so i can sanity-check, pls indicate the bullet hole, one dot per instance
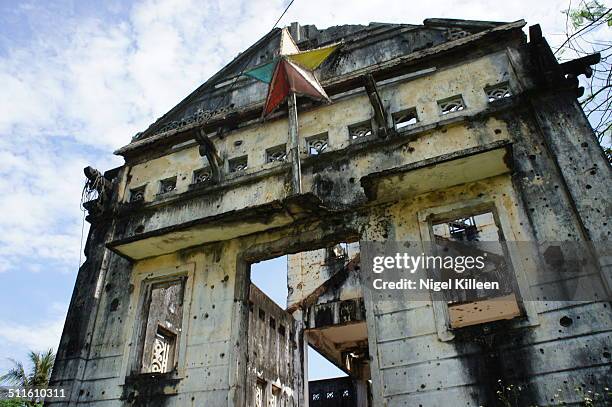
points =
(222, 355)
(192, 398)
(114, 305)
(541, 351)
(588, 186)
(532, 157)
(410, 149)
(225, 279)
(422, 386)
(212, 286)
(352, 180)
(237, 143)
(213, 306)
(584, 145)
(497, 131)
(606, 355)
(566, 321)
(108, 287)
(195, 317)
(139, 229)
(206, 316)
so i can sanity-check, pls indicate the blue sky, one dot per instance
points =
(79, 78)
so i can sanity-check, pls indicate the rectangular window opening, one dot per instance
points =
(162, 323)
(360, 130)
(238, 164)
(477, 234)
(451, 105)
(405, 118)
(137, 194)
(202, 175)
(499, 91)
(167, 185)
(276, 154)
(316, 145)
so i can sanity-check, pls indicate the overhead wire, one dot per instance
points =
(91, 187)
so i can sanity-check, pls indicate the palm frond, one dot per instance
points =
(16, 376)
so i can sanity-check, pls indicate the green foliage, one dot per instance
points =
(39, 376)
(589, 13)
(509, 396)
(12, 403)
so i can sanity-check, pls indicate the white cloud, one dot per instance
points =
(82, 86)
(36, 337)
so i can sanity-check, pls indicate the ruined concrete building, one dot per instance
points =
(390, 132)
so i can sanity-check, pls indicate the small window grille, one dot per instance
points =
(456, 33)
(405, 118)
(451, 105)
(317, 144)
(360, 130)
(499, 91)
(163, 351)
(330, 395)
(202, 175)
(238, 164)
(260, 393)
(316, 396)
(345, 394)
(167, 185)
(137, 194)
(276, 154)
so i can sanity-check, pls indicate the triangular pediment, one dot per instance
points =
(364, 46)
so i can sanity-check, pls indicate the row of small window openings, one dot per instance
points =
(330, 395)
(262, 317)
(316, 145)
(409, 117)
(456, 103)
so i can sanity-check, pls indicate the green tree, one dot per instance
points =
(38, 375)
(588, 30)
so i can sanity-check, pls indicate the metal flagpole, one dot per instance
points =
(294, 145)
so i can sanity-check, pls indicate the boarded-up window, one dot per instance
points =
(162, 321)
(476, 235)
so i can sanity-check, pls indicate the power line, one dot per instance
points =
(245, 66)
(282, 15)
